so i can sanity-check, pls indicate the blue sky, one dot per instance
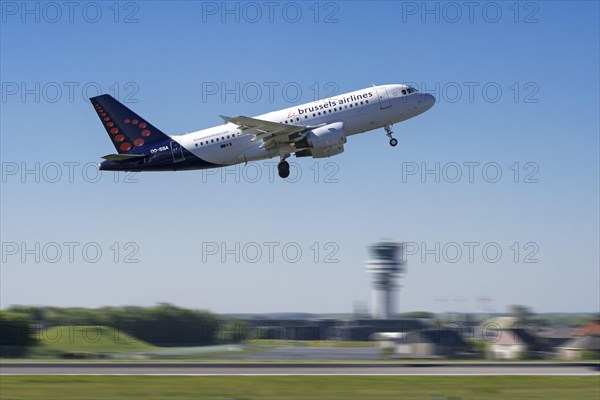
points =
(517, 91)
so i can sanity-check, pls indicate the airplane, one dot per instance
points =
(319, 129)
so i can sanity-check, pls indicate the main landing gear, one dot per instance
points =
(388, 132)
(283, 168)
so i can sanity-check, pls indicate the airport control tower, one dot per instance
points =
(386, 263)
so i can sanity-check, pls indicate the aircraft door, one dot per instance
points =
(176, 151)
(384, 99)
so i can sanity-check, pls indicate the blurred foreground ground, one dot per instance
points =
(431, 388)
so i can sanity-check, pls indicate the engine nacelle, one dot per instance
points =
(326, 141)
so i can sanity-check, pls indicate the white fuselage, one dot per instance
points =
(359, 111)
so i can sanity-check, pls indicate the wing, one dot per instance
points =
(271, 133)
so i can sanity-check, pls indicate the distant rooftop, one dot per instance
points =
(592, 328)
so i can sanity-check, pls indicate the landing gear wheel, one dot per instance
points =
(283, 168)
(389, 133)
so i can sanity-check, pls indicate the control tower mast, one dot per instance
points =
(386, 263)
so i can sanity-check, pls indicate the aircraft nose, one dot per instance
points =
(428, 100)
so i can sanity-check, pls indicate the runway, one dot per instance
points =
(299, 369)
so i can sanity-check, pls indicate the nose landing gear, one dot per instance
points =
(389, 133)
(283, 168)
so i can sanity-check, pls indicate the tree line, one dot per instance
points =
(161, 325)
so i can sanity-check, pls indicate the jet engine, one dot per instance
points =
(321, 142)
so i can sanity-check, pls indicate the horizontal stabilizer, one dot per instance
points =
(123, 157)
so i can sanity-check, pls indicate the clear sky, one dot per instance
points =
(518, 95)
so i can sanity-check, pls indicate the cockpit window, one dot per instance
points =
(404, 92)
(411, 90)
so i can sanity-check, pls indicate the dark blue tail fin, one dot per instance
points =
(130, 133)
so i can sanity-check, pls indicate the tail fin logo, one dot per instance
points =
(127, 130)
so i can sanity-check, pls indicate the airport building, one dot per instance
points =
(385, 265)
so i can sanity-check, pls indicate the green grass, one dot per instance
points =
(86, 340)
(385, 387)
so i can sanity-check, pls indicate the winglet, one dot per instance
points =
(225, 118)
